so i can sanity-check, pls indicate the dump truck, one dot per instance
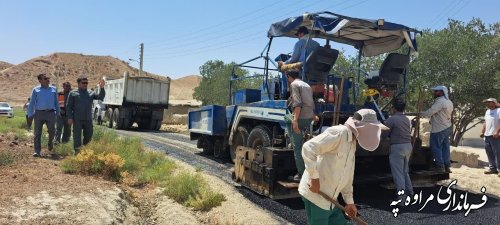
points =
(130, 100)
(251, 130)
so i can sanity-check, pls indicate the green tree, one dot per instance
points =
(464, 57)
(214, 85)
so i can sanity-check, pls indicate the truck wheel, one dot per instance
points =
(259, 137)
(219, 149)
(116, 119)
(208, 145)
(109, 114)
(239, 139)
(143, 124)
(158, 124)
(155, 124)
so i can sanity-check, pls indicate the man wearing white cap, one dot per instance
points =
(491, 134)
(329, 161)
(440, 119)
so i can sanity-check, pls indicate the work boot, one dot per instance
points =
(490, 171)
(447, 169)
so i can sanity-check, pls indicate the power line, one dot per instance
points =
(256, 24)
(226, 22)
(209, 48)
(216, 34)
(238, 40)
(447, 10)
(460, 9)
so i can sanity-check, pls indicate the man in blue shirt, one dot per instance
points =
(43, 108)
(300, 50)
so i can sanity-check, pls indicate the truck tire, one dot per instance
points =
(116, 119)
(220, 150)
(239, 139)
(155, 124)
(143, 124)
(259, 137)
(109, 114)
(208, 145)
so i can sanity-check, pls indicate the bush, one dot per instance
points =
(206, 200)
(127, 161)
(120, 160)
(65, 149)
(159, 169)
(193, 191)
(102, 135)
(69, 165)
(183, 186)
(6, 158)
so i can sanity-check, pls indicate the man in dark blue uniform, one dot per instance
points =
(79, 111)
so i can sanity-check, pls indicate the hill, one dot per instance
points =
(4, 65)
(183, 88)
(70, 66)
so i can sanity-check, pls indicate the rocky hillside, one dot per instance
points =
(22, 78)
(4, 65)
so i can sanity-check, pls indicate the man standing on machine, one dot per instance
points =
(302, 106)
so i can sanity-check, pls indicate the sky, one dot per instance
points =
(181, 35)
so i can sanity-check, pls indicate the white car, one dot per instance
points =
(6, 110)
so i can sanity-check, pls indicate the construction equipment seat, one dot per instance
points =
(391, 72)
(319, 63)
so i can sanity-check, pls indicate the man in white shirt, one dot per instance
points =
(329, 161)
(440, 119)
(491, 134)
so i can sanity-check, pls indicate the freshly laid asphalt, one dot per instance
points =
(373, 201)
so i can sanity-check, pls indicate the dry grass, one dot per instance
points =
(127, 161)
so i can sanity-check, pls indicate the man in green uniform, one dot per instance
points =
(302, 105)
(79, 111)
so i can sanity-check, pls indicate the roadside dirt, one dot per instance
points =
(236, 209)
(469, 171)
(35, 191)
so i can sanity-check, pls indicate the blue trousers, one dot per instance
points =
(492, 147)
(440, 147)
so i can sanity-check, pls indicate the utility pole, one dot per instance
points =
(141, 63)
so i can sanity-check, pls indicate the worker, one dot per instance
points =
(43, 109)
(440, 115)
(79, 111)
(302, 105)
(329, 161)
(491, 135)
(400, 148)
(62, 127)
(28, 120)
(300, 50)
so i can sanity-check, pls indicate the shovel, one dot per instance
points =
(330, 199)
